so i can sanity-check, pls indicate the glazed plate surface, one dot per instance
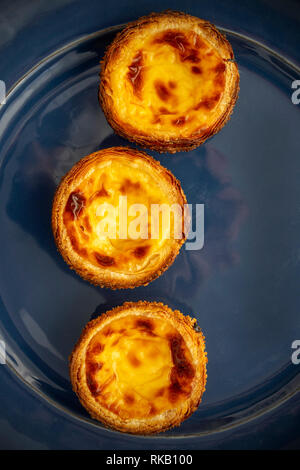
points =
(242, 286)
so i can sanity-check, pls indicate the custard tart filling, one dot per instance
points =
(140, 367)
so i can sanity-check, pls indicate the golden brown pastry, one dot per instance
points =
(168, 81)
(83, 221)
(140, 368)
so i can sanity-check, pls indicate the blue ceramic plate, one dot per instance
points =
(242, 286)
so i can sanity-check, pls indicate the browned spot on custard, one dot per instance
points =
(164, 110)
(104, 260)
(75, 204)
(172, 84)
(101, 193)
(219, 81)
(220, 68)
(156, 120)
(192, 57)
(87, 224)
(95, 388)
(179, 41)
(128, 186)
(179, 121)
(108, 331)
(141, 251)
(182, 366)
(75, 244)
(196, 70)
(162, 91)
(134, 361)
(97, 349)
(175, 39)
(183, 372)
(145, 326)
(152, 410)
(135, 73)
(209, 102)
(93, 385)
(144, 323)
(174, 389)
(160, 392)
(91, 369)
(114, 408)
(199, 43)
(129, 399)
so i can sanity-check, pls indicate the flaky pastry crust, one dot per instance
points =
(140, 368)
(168, 81)
(101, 178)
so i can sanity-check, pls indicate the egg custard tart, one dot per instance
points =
(168, 82)
(108, 218)
(140, 368)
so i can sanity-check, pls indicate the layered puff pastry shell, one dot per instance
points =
(168, 82)
(89, 203)
(140, 368)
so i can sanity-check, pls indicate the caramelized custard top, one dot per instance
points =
(93, 211)
(168, 81)
(138, 366)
